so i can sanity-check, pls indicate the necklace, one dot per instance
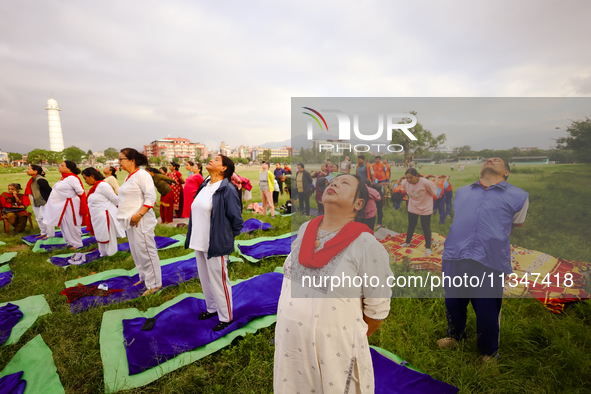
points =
(317, 242)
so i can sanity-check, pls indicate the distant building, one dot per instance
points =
(530, 160)
(442, 149)
(469, 159)
(97, 154)
(528, 149)
(3, 157)
(176, 147)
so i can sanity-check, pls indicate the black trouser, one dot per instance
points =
(276, 198)
(304, 202)
(379, 206)
(425, 225)
(280, 183)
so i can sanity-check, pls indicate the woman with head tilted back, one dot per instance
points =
(321, 334)
(216, 218)
(137, 197)
(177, 190)
(66, 206)
(191, 186)
(38, 190)
(102, 206)
(111, 178)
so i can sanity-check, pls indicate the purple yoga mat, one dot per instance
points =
(253, 224)
(178, 328)
(13, 383)
(276, 247)
(5, 278)
(392, 378)
(161, 242)
(33, 238)
(85, 242)
(10, 315)
(172, 275)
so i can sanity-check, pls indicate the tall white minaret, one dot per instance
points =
(56, 139)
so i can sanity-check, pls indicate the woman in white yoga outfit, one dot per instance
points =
(137, 196)
(321, 334)
(102, 205)
(38, 190)
(216, 218)
(66, 206)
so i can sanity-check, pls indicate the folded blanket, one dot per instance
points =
(10, 315)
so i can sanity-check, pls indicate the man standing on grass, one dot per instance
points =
(363, 169)
(478, 244)
(346, 165)
(304, 187)
(279, 173)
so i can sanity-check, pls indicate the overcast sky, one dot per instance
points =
(128, 72)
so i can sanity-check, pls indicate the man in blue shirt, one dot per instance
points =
(279, 172)
(478, 245)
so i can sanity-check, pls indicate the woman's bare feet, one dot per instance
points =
(138, 283)
(151, 291)
(43, 238)
(73, 248)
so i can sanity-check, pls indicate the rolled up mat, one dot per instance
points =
(256, 249)
(10, 315)
(5, 275)
(253, 224)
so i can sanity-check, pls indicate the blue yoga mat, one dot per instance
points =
(253, 224)
(178, 328)
(276, 247)
(172, 275)
(161, 242)
(10, 315)
(392, 378)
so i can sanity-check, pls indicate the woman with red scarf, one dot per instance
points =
(191, 187)
(322, 329)
(14, 207)
(177, 190)
(102, 205)
(66, 206)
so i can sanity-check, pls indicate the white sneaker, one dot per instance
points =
(428, 252)
(405, 245)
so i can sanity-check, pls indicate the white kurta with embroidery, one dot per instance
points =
(321, 341)
(102, 205)
(64, 200)
(137, 190)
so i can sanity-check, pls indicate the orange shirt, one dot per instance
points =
(379, 172)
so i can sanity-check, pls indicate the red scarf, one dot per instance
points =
(83, 205)
(28, 189)
(344, 237)
(89, 224)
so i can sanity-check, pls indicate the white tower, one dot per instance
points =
(56, 139)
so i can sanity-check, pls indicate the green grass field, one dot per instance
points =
(540, 352)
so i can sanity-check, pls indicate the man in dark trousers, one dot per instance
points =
(478, 245)
(304, 187)
(279, 173)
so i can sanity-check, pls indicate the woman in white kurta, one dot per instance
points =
(321, 334)
(102, 205)
(137, 196)
(66, 206)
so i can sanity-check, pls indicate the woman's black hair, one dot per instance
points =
(93, 172)
(72, 167)
(151, 170)
(229, 164)
(17, 186)
(175, 165)
(190, 163)
(164, 169)
(132, 154)
(37, 168)
(361, 193)
(200, 167)
(113, 171)
(413, 172)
